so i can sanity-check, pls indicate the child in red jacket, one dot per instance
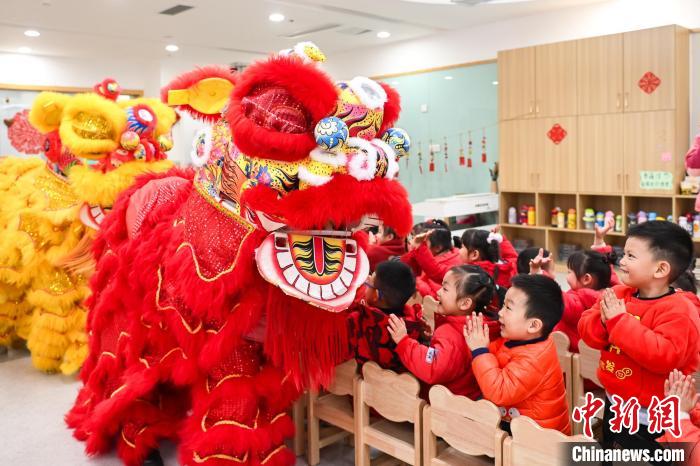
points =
(386, 292)
(386, 245)
(465, 289)
(644, 328)
(520, 371)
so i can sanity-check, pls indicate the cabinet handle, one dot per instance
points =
(626, 97)
(538, 180)
(619, 179)
(617, 102)
(531, 105)
(537, 106)
(627, 182)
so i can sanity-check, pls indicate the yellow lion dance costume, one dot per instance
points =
(50, 210)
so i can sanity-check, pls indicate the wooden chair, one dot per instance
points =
(566, 361)
(430, 306)
(334, 407)
(394, 397)
(469, 428)
(532, 445)
(585, 365)
(298, 411)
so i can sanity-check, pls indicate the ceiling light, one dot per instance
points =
(276, 17)
(172, 48)
(449, 78)
(383, 34)
(495, 83)
(24, 50)
(32, 33)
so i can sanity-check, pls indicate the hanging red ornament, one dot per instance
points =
(446, 155)
(462, 159)
(431, 165)
(470, 146)
(483, 146)
(420, 158)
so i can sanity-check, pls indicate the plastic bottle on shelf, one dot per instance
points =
(631, 219)
(600, 219)
(641, 216)
(696, 226)
(669, 218)
(512, 215)
(561, 219)
(555, 214)
(618, 223)
(531, 216)
(523, 215)
(683, 222)
(651, 216)
(588, 219)
(571, 219)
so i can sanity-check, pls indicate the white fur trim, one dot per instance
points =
(393, 168)
(336, 159)
(363, 163)
(198, 161)
(369, 92)
(497, 237)
(312, 178)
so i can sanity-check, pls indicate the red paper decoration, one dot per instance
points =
(483, 146)
(649, 82)
(556, 134)
(431, 165)
(471, 150)
(420, 158)
(446, 155)
(23, 136)
(469, 163)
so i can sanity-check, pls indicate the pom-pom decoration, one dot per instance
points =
(331, 133)
(129, 140)
(141, 119)
(398, 140)
(23, 136)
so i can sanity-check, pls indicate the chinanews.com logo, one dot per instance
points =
(661, 417)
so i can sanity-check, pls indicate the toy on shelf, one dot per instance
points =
(531, 216)
(512, 215)
(571, 219)
(555, 215)
(589, 219)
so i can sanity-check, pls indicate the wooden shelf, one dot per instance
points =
(522, 227)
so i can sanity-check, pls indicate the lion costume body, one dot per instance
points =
(219, 293)
(49, 211)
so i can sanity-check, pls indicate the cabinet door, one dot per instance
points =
(557, 162)
(599, 70)
(649, 74)
(649, 148)
(600, 154)
(555, 79)
(516, 83)
(517, 156)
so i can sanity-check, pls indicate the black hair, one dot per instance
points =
(525, 256)
(457, 242)
(686, 282)
(667, 241)
(544, 299)
(441, 238)
(389, 231)
(477, 240)
(475, 283)
(594, 263)
(432, 224)
(396, 282)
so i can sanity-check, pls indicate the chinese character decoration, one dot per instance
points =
(556, 133)
(462, 159)
(483, 146)
(649, 82)
(470, 151)
(446, 155)
(420, 158)
(625, 414)
(431, 152)
(665, 415)
(587, 412)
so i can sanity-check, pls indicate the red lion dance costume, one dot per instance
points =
(218, 294)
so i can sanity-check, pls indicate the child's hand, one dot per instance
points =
(417, 240)
(426, 329)
(600, 232)
(610, 306)
(496, 229)
(476, 332)
(682, 386)
(539, 262)
(397, 328)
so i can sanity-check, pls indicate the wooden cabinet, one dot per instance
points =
(519, 155)
(516, 83)
(649, 69)
(599, 71)
(555, 79)
(600, 153)
(556, 163)
(649, 142)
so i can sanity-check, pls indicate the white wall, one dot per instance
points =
(483, 42)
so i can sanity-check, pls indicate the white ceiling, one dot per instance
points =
(226, 29)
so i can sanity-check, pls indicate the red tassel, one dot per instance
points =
(432, 166)
(469, 163)
(462, 161)
(483, 157)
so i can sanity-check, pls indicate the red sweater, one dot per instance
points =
(575, 303)
(369, 334)
(447, 361)
(377, 253)
(429, 269)
(640, 347)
